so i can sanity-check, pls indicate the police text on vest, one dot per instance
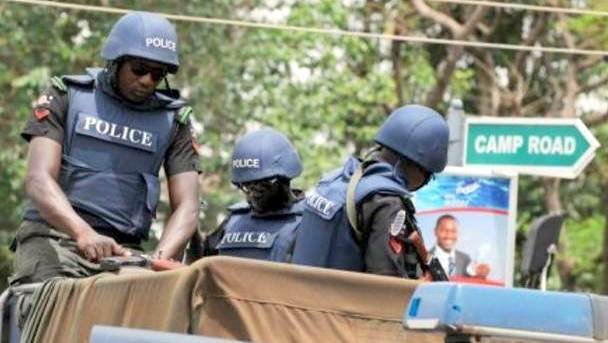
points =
(319, 203)
(245, 237)
(96, 127)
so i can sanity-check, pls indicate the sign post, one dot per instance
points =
(539, 146)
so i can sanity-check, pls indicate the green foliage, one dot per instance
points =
(462, 82)
(591, 28)
(584, 236)
(6, 266)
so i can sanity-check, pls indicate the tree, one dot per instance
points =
(526, 83)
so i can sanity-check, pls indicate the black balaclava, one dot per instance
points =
(265, 197)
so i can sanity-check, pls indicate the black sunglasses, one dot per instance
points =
(140, 69)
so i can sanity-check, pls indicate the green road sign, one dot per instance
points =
(539, 146)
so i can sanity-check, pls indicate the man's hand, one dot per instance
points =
(482, 270)
(183, 196)
(94, 246)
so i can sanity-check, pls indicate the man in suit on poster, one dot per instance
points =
(453, 261)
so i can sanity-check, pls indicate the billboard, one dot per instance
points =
(468, 220)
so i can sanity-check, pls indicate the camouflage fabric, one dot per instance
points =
(43, 253)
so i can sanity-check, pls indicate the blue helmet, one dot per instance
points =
(263, 154)
(417, 133)
(143, 34)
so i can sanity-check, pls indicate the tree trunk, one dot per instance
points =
(489, 99)
(396, 59)
(565, 265)
(446, 70)
(605, 249)
(553, 202)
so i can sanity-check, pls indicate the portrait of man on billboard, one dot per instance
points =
(455, 262)
(467, 219)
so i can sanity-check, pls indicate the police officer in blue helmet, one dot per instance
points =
(97, 142)
(264, 226)
(360, 216)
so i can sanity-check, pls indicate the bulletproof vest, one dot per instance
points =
(112, 154)
(325, 238)
(264, 237)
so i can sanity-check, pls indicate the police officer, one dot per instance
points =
(354, 219)
(96, 144)
(263, 227)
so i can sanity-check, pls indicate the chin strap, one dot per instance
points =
(112, 73)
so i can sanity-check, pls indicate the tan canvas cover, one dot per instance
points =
(232, 298)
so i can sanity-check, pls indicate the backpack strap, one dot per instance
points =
(351, 206)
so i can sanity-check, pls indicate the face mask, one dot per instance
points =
(399, 172)
(428, 178)
(265, 195)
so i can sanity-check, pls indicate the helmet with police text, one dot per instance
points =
(418, 133)
(143, 34)
(264, 154)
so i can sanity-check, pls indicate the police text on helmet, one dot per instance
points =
(162, 43)
(246, 163)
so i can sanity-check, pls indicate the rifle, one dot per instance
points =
(430, 265)
(115, 263)
(410, 235)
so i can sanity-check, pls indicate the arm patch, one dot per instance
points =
(184, 115)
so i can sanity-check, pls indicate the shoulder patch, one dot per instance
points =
(58, 83)
(183, 115)
(397, 224)
(41, 113)
(44, 100)
(322, 206)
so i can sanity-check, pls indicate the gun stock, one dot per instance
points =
(430, 265)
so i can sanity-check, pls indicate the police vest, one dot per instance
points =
(325, 238)
(269, 237)
(112, 155)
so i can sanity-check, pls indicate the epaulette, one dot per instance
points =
(171, 99)
(84, 80)
(242, 206)
(58, 83)
(183, 115)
